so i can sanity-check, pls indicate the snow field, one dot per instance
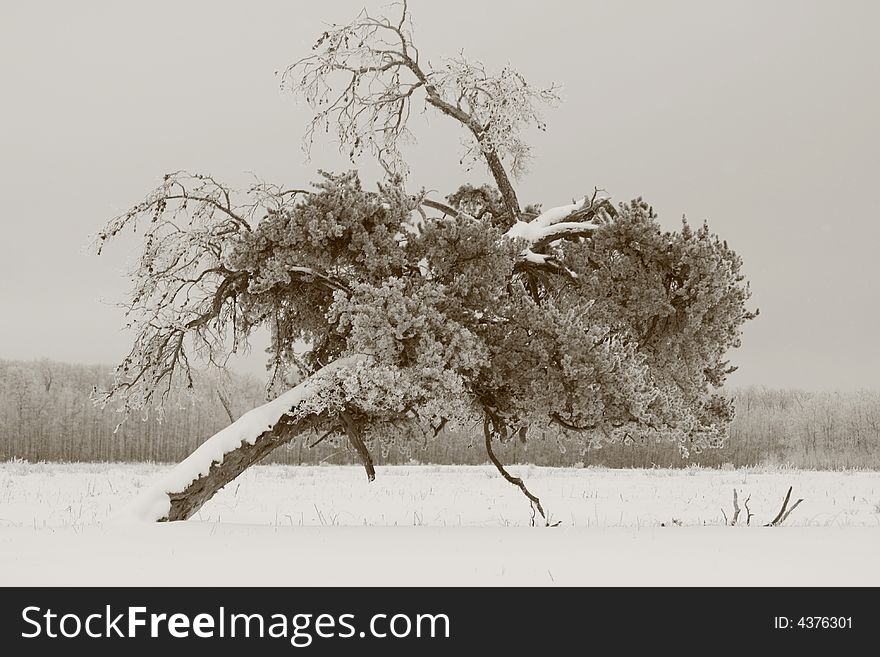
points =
(441, 525)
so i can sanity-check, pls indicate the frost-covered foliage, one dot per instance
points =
(682, 298)
(588, 317)
(504, 102)
(363, 78)
(450, 321)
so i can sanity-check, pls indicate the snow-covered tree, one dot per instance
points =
(420, 313)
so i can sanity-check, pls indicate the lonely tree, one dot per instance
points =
(420, 313)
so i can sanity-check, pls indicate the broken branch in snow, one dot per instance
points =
(516, 481)
(783, 514)
(778, 520)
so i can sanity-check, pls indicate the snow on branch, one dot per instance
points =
(577, 219)
(304, 399)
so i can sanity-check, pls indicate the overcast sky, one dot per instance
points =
(760, 117)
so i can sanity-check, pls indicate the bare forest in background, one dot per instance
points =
(46, 415)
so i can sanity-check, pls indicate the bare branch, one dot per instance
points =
(442, 207)
(516, 481)
(225, 403)
(557, 419)
(363, 76)
(788, 513)
(185, 295)
(783, 514)
(782, 510)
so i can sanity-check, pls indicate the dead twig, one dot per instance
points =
(735, 509)
(225, 403)
(788, 513)
(783, 514)
(749, 513)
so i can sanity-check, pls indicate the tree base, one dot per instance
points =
(185, 503)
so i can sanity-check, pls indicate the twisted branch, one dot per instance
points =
(516, 481)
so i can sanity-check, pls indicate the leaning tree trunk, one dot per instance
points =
(228, 453)
(185, 502)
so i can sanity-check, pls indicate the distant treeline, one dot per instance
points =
(46, 415)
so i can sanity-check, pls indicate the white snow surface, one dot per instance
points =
(154, 502)
(441, 525)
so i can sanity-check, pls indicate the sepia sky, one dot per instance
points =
(759, 117)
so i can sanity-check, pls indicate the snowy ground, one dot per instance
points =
(433, 525)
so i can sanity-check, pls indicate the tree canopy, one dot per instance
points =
(589, 318)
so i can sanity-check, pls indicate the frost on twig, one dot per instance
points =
(363, 78)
